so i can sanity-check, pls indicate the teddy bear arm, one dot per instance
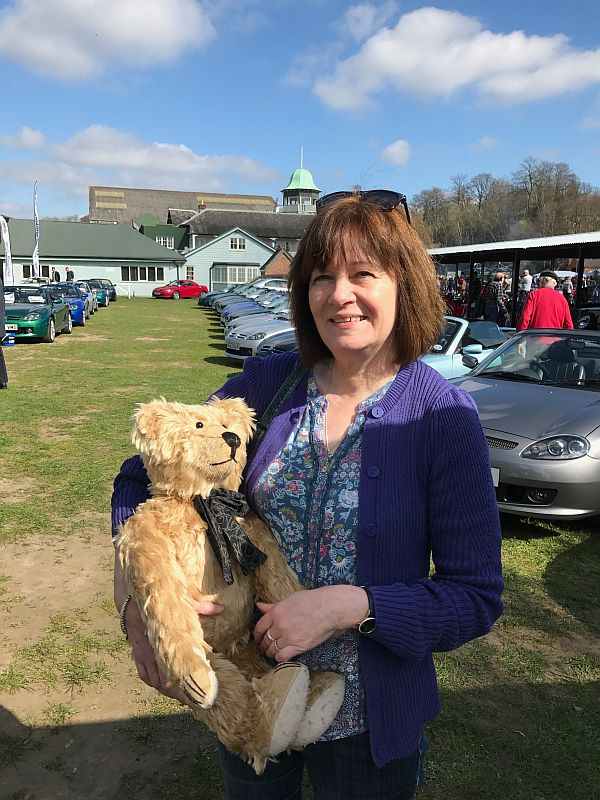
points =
(274, 580)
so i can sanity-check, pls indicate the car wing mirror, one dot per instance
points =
(469, 361)
(472, 349)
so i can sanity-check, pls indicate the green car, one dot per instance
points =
(102, 291)
(32, 313)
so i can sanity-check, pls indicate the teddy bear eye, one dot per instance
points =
(199, 424)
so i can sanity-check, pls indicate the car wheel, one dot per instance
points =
(50, 332)
(176, 295)
(83, 319)
(587, 321)
(69, 327)
(88, 313)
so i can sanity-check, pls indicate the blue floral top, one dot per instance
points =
(309, 498)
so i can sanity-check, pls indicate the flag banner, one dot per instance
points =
(35, 260)
(9, 277)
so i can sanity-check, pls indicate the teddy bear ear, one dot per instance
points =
(240, 413)
(148, 428)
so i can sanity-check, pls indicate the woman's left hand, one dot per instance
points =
(308, 618)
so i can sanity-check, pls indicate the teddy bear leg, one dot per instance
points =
(259, 718)
(325, 697)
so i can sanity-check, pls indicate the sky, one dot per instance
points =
(221, 95)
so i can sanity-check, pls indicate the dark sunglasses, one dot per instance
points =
(384, 199)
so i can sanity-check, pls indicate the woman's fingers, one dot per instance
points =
(207, 609)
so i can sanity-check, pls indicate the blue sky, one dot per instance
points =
(219, 95)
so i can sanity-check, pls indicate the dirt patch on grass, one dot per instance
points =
(150, 339)
(111, 737)
(14, 491)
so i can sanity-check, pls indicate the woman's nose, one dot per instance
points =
(341, 292)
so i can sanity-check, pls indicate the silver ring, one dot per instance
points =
(276, 645)
(269, 637)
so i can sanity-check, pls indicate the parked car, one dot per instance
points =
(460, 337)
(238, 322)
(279, 343)
(243, 342)
(89, 292)
(109, 285)
(176, 289)
(33, 313)
(102, 293)
(273, 302)
(538, 397)
(79, 304)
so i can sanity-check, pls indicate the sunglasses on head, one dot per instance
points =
(384, 199)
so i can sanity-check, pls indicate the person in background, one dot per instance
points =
(70, 275)
(545, 308)
(55, 275)
(494, 299)
(373, 468)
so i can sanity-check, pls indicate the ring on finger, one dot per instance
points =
(269, 637)
(277, 648)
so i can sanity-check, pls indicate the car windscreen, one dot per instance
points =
(552, 357)
(24, 294)
(94, 283)
(445, 337)
(65, 291)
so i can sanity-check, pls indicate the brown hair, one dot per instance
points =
(385, 237)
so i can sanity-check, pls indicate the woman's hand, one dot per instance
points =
(308, 618)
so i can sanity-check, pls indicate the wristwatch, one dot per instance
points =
(369, 623)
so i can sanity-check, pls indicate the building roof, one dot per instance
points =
(278, 264)
(177, 216)
(550, 246)
(301, 179)
(264, 225)
(232, 232)
(83, 240)
(123, 204)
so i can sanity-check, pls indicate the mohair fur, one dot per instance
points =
(256, 711)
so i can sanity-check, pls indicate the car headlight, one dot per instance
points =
(257, 336)
(557, 448)
(33, 315)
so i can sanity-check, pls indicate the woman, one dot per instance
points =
(372, 464)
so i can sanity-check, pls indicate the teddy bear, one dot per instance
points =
(195, 539)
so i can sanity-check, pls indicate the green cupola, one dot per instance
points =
(301, 193)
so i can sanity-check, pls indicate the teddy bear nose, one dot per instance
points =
(232, 439)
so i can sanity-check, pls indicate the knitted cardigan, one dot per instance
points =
(425, 493)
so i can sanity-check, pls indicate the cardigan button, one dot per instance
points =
(373, 472)
(294, 417)
(370, 530)
(377, 412)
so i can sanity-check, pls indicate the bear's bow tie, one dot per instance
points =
(219, 510)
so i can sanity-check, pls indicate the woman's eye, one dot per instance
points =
(199, 424)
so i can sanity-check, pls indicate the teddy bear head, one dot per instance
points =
(189, 450)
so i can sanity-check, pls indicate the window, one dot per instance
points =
(28, 271)
(166, 241)
(223, 275)
(129, 274)
(189, 273)
(237, 243)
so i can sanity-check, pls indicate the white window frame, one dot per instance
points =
(237, 243)
(165, 241)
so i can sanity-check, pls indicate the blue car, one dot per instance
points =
(460, 338)
(78, 304)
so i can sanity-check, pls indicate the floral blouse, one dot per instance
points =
(309, 498)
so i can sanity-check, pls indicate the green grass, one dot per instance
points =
(521, 707)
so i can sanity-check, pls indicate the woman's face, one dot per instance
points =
(353, 303)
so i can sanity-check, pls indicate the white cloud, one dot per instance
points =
(485, 143)
(362, 20)
(25, 139)
(74, 40)
(590, 123)
(102, 155)
(431, 52)
(397, 153)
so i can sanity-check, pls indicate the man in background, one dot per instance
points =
(545, 307)
(494, 300)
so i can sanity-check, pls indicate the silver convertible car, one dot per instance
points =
(538, 397)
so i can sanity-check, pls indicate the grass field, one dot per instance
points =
(521, 706)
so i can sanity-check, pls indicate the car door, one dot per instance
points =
(188, 289)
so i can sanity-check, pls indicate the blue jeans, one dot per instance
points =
(339, 770)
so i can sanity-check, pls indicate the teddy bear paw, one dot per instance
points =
(200, 688)
(324, 701)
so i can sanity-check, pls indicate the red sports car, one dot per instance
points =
(177, 289)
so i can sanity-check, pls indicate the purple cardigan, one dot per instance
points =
(425, 490)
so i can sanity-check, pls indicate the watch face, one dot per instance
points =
(367, 625)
